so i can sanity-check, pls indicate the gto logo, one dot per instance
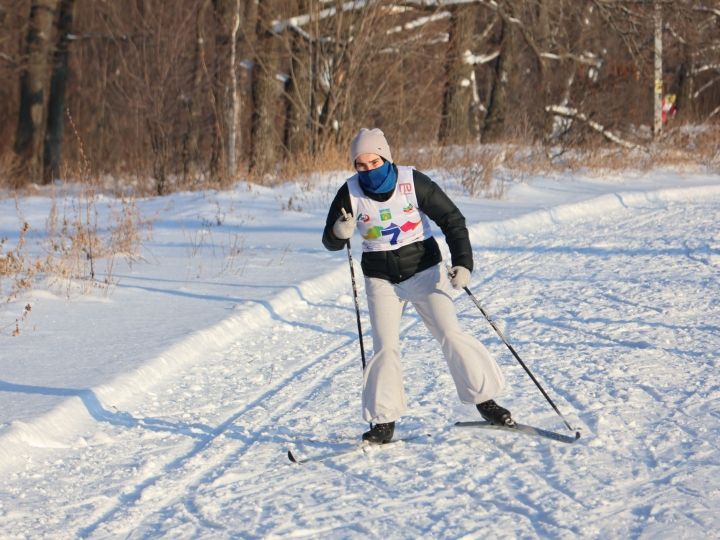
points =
(405, 188)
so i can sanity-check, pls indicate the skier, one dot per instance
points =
(669, 107)
(392, 207)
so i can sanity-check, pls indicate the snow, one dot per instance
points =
(164, 404)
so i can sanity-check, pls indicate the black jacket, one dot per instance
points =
(404, 262)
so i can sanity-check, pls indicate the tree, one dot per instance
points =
(202, 89)
(56, 101)
(658, 68)
(30, 131)
(299, 120)
(227, 97)
(191, 147)
(457, 124)
(265, 93)
(494, 126)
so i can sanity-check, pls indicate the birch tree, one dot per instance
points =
(228, 13)
(658, 68)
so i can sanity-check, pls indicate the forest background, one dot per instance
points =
(163, 95)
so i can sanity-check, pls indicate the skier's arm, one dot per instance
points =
(434, 203)
(341, 201)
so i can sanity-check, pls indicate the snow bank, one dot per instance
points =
(490, 232)
(60, 427)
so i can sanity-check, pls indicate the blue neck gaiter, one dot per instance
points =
(380, 180)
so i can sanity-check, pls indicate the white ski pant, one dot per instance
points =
(476, 375)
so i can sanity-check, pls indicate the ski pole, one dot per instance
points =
(355, 294)
(517, 357)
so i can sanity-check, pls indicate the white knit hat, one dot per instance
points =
(370, 141)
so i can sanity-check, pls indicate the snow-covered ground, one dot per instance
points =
(164, 405)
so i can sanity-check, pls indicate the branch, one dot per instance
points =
(509, 18)
(713, 113)
(475, 59)
(569, 112)
(703, 9)
(674, 33)
(9, 59)
(710, 49)
(586, 58)
(279, 25)
(706, 67)
(704, 87)
(420, 22)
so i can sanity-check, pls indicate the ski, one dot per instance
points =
(353, 447)
(522, 428)
(364, 445)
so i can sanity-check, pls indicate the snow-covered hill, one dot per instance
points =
(164, 407)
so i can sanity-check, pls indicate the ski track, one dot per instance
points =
(627, 352)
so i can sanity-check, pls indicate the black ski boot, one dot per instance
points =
(379, 433)
(495, 414)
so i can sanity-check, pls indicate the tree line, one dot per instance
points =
(197, 91)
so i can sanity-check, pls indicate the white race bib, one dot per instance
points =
(390, 224)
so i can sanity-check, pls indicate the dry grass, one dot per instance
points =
(77, 244)
(74, 248)
(681, 147)
(331, 158)
(19, 270)
(18, 321)
(483, 170)
(16, 266)
(690, 147)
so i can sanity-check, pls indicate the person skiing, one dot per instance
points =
(392, 207)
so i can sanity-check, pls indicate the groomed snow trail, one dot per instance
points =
(617, 315)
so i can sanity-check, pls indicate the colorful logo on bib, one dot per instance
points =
(385, 214)
(409, 208)
(393, 230)
(409, 226)
(373, 233)
(363, 218)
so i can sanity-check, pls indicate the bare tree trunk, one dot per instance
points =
(658, 86)
(227, 107)
(316, 90)
(457, 124)
(33, 90)
(191, 147)
(232, 104)
(494, 126)
(297, 137)
(539, 118)
(56, 100)
(263, 154)
(685, 102)
(333, 65)
(227, 99)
